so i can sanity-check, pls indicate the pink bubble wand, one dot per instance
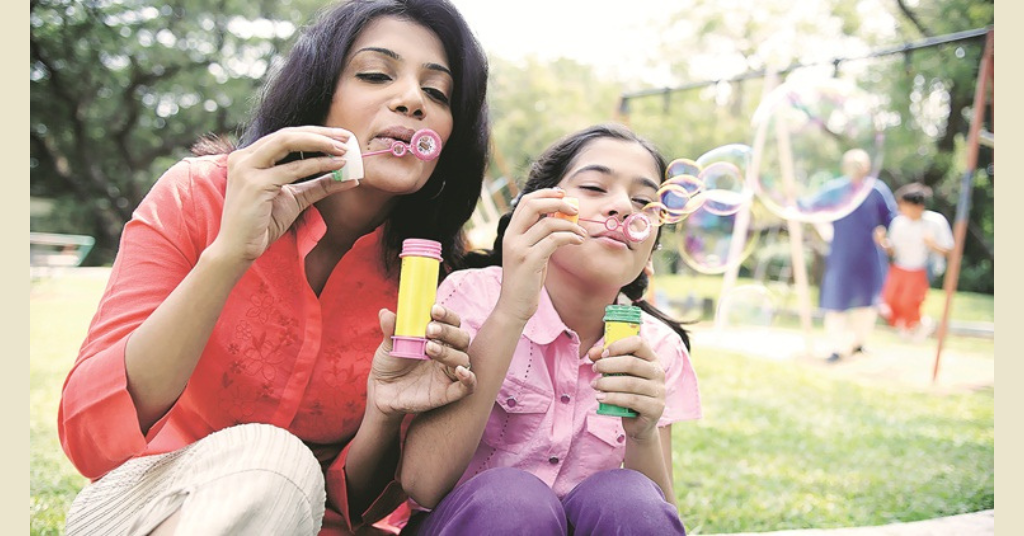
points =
(425, 144)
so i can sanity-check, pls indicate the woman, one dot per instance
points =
(238, 362)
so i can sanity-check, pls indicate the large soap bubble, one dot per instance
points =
(801, 133)
(705, 240)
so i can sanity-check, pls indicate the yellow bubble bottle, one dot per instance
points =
(417, 291)
(620, 321)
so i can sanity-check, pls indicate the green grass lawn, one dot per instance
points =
(786, 447)
(780, 446)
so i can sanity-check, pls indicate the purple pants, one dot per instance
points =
(512, 501)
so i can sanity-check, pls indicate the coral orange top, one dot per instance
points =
(279, 354)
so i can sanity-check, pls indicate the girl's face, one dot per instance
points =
(395, 81)
(611, 178)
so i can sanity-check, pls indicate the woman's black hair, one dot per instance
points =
(547, 172)
(300, 91)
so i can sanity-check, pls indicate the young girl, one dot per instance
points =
(527, 453)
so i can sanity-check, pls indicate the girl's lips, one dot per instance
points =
(612, 241)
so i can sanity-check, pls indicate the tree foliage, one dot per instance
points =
(120, 89)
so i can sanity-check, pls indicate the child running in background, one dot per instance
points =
(527, 453)
(918, 241)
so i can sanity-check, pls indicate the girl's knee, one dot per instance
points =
(619, 486)
(498, 501)
(503, 485)
(621, 501)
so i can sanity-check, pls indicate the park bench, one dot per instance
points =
(49, 252)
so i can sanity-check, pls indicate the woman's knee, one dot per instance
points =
(256, 448)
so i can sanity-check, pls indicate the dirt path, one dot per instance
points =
(967, 363)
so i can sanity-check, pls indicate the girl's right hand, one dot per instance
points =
(262, 200)
(530, 239)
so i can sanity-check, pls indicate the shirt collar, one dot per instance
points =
(545, 325)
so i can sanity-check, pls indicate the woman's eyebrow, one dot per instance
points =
(394, 55)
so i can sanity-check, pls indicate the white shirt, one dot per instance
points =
(907, 237)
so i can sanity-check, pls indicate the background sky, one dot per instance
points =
(609, 34)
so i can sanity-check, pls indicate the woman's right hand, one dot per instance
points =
(530, 239)
(263, 200)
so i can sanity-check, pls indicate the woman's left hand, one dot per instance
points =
(641, 386)
(399, 386)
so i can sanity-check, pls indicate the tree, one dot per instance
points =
(121, 89)
(927, 95)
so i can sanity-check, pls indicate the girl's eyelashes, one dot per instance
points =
(641, 202)
(638, 201)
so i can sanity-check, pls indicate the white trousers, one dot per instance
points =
(849, 329)
(247, 479)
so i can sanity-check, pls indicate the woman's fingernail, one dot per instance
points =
(433, 347)
(433, 330)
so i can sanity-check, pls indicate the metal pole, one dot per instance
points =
(963, 207)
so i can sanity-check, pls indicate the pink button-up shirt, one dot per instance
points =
(545, 417)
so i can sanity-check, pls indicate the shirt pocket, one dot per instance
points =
(517, 417)
(604, 441)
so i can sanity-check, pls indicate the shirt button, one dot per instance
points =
(553, 460)
(511, 402)
(621, 438)
(566, 399)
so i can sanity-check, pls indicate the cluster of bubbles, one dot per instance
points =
(791, 172)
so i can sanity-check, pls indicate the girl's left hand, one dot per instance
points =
(640, 388)
(398, 386)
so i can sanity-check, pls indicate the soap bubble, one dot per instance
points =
(723, 176)
(705, 239)
(802, 131)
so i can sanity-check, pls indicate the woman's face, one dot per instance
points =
(611, 178)
(395, 81)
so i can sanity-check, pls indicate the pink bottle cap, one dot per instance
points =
(409, 347)
(419, 247)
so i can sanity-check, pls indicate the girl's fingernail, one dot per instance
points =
(605, 353)
(600, 395)
(433, 330)
(433, 347)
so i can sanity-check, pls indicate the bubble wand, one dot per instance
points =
(425, 144)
